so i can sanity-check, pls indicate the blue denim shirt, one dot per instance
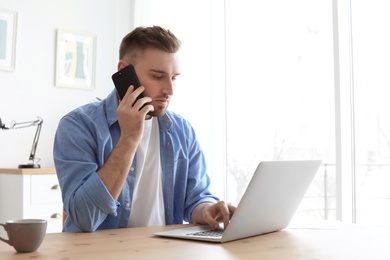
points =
(84, 140)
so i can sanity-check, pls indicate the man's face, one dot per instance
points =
(157, 71)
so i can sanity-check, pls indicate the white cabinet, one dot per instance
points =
(31, 193)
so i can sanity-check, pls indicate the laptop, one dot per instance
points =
(271, 198)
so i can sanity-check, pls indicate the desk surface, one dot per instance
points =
(27, 171)
(343, 242)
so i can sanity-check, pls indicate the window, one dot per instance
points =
(371, 66)
(285, 80)
(280, 94)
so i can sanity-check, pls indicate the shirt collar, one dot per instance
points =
(111, 105)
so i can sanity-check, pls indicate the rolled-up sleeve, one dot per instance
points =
(82, 144)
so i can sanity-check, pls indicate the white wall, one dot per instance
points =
(29, 91)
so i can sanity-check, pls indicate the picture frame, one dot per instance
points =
(75, 59)
(8, 25)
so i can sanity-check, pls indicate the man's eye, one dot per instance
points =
(158, 76)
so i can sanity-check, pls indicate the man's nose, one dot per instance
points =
(168, 87)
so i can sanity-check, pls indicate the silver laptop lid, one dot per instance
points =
(271, 198)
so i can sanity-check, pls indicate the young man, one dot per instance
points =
(122, 164)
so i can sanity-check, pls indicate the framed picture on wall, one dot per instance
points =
(75, 59)
(8, 23)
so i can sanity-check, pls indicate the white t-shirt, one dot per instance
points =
(148, 203)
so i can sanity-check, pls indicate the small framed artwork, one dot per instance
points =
(8, 23)
(75, 59)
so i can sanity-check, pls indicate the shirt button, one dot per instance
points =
(132, 169)
(127, 204)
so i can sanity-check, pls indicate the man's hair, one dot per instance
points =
(142, 38)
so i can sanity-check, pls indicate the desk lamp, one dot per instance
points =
(38, 123)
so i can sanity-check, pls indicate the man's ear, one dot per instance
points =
(122, 64)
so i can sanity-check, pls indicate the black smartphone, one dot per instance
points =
(123, 79)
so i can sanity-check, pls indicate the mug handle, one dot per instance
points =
(2, 239)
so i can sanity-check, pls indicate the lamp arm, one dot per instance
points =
(15, 125)
(35, 142)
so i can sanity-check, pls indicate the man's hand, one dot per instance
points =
(131, 121)
(213, 214)
(130, 118)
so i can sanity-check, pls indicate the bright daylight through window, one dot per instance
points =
(280, 94)
(286, 80)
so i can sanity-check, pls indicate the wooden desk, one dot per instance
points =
(345, 242)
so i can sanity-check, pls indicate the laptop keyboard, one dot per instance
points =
(207, 233)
